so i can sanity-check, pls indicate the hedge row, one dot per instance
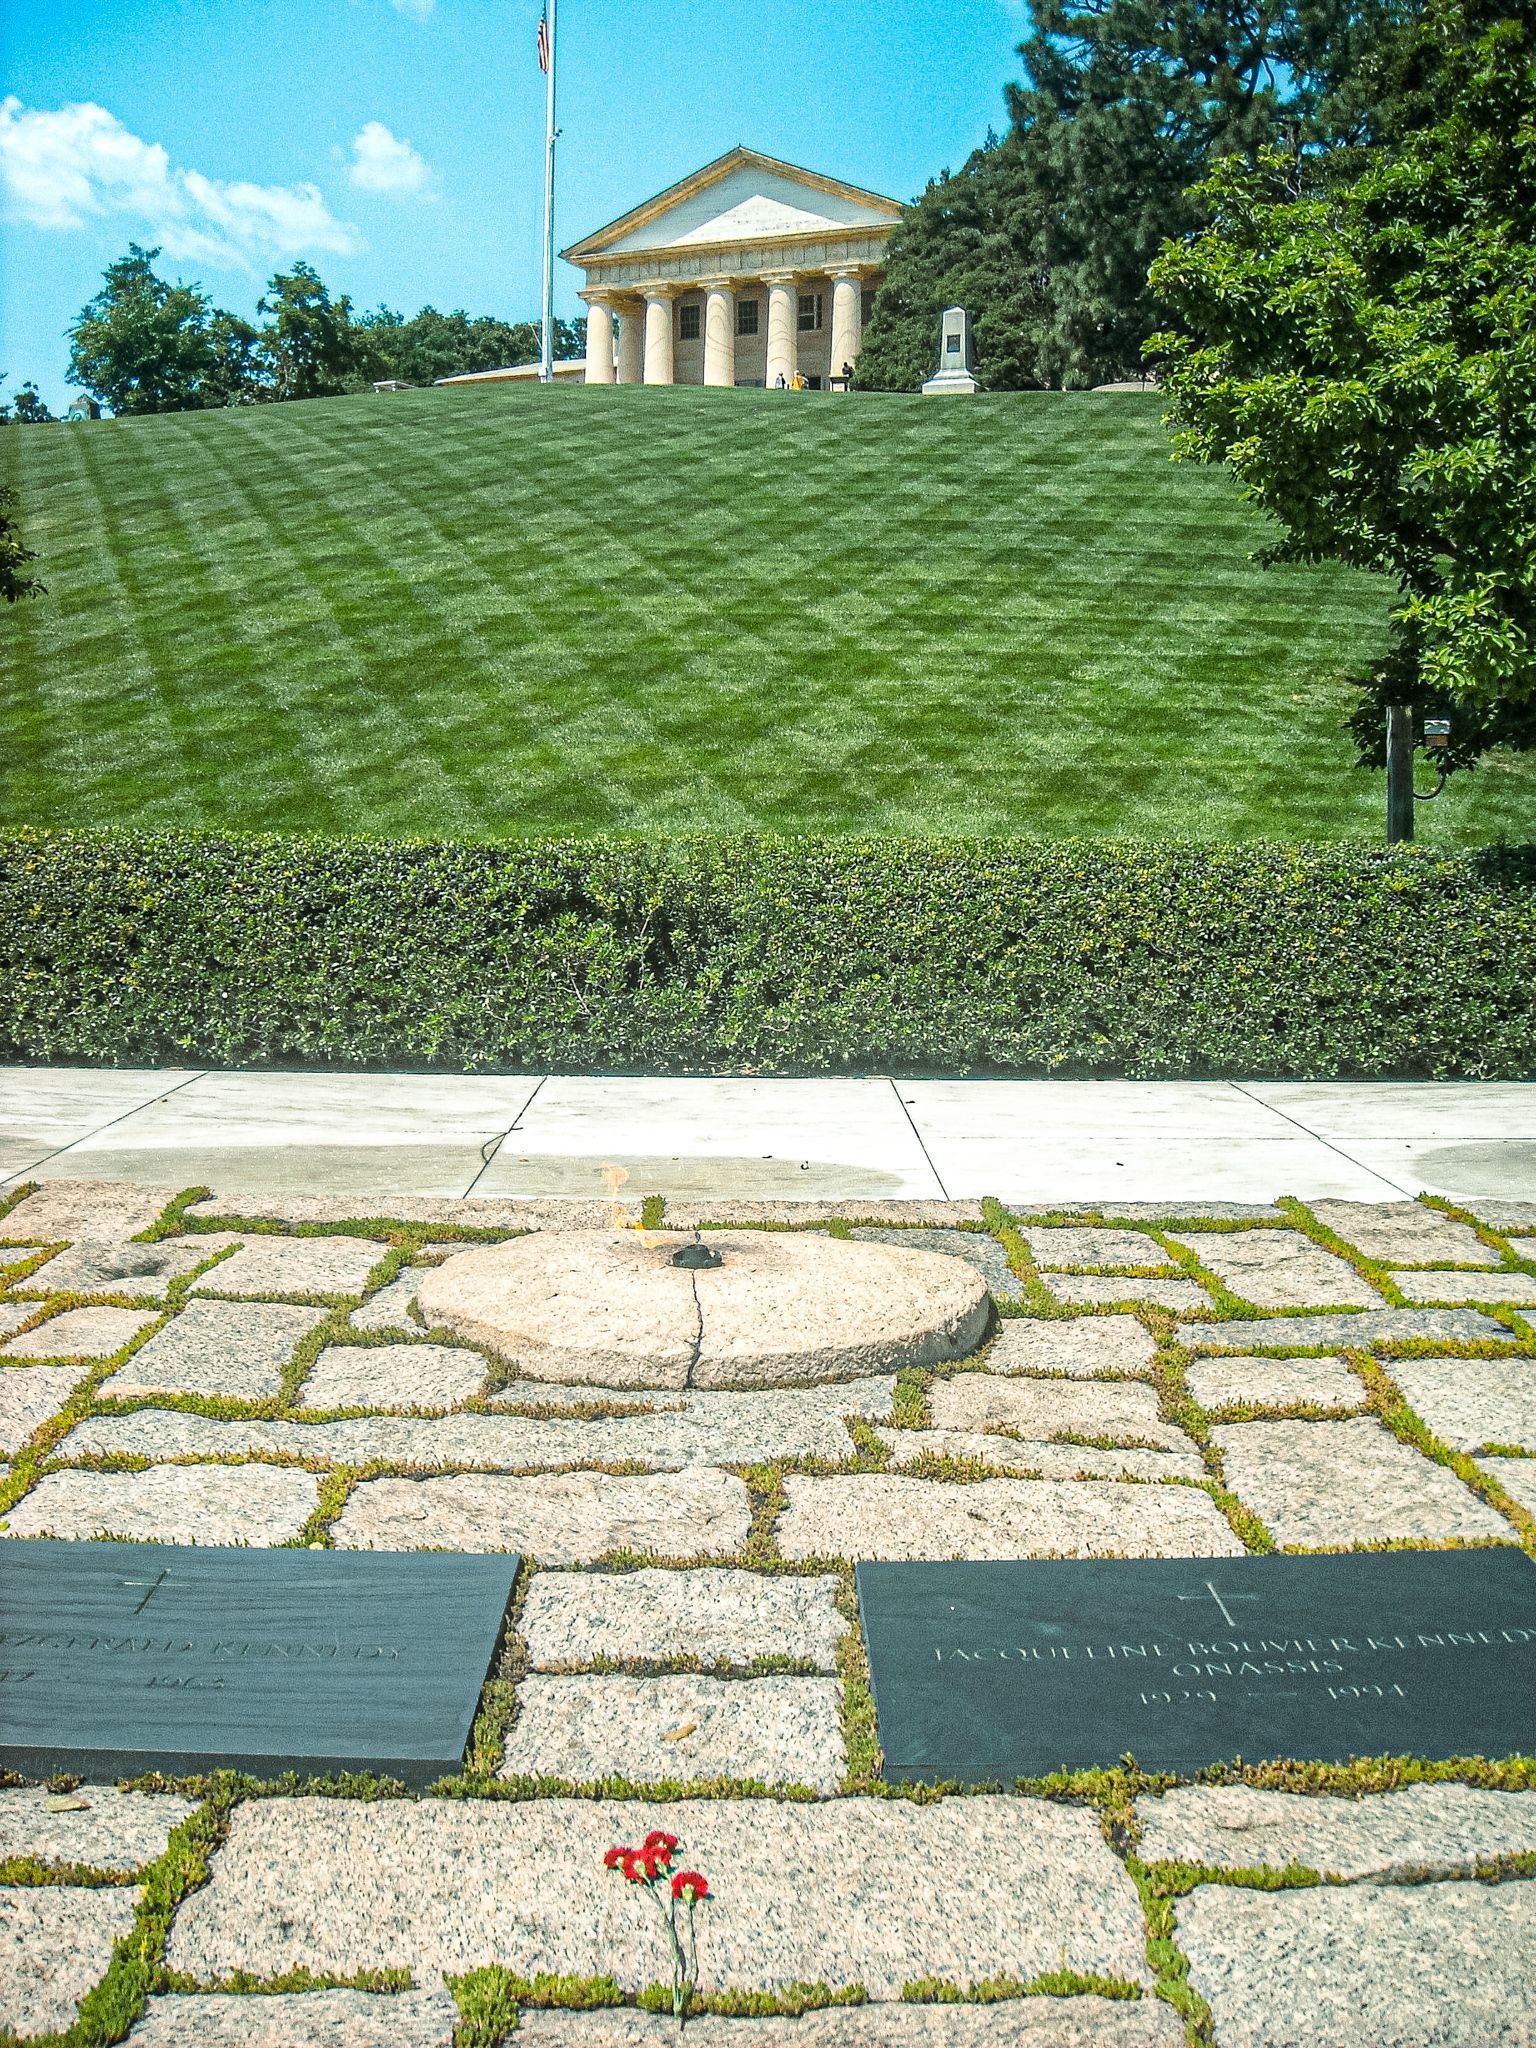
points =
(765, 955)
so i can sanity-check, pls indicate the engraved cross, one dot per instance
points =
(154, 1586)
(1221, 1600)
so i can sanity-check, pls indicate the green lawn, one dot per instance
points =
(491, 612)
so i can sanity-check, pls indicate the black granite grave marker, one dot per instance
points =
(117, 1658)
(986, 1672)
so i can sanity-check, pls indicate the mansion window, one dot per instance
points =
(688, 322)
(746, 316)
(810, 312)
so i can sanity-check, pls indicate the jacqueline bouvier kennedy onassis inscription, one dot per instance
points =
(988, 1672)
(117, 1658)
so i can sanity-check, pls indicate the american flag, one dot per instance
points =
(544, 40)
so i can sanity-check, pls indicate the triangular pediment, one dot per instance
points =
(750, 219)
(742, 196)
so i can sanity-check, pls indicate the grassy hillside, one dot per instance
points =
(492, 612)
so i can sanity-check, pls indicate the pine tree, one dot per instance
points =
(1048, 235)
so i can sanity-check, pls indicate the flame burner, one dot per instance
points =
(737, 1308)
(696, 1256)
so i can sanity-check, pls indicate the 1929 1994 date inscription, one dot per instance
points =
(987, 1672)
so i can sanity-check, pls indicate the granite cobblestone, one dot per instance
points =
(1318, 1485)
(337, 1886)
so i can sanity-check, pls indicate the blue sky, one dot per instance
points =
(397, 144)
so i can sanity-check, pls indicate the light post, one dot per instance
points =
(1401, 794)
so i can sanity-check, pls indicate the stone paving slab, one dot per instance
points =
(55, 1944)
(1227, 1382)
(108, 1829)
(1045, 1408)
(709, 1429)
(1510, 1219)
(1373, 1966)
(570, 1518)
(539, 1395)
(1422, 1831)
(1086, 2022)
(390, 1308)
(716, 1615)
(80, 1333)
(1086, 1244)
(454, 1884)
(393, 1376)
(1159, 1213)
(977, 1249)
(1080, 1347)
(1404, 1233)
(1094, 1290)
(722, 1212)
(137, 1269)
(510, 1214)
(1374, 1326)
(236, 1350)
(1316, 1484)
(1279, 1269)
(13, 1314)
(295, 1265)
(1469, 1402)
(1517, 1476)
(879, 1515)
(29, 1394)
(307, 2019)
(1027, 1455)
(1518, 1288)
(106, 1211)
(260, 1504)
(773, 1731)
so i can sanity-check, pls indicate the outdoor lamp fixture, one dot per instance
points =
(1401, 794)
(1437, 737)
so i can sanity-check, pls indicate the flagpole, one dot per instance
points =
(547, 336)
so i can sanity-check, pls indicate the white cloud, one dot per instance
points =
(418, 10)
(65, 167)
(382, 162)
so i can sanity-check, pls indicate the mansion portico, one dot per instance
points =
(745, 272)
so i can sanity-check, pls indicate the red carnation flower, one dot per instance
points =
(635, 1867)
(690, 1885)
(615, 1857)
(661, 1843)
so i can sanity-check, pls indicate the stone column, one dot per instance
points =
(847, 316)
(719, 332)
(658, 335)
(631, 343)
(783, 324)
(599, 339)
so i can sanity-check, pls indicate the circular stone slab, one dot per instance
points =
(609, 1308)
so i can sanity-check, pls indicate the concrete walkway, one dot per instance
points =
(837, 1138)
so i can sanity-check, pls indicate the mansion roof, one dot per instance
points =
(741, 211)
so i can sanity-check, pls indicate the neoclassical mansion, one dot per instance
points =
(745, 272)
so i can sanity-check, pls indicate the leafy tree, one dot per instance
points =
(432, 344)
(311, 345)
(964, 243)
(27, 409)
(1363, 355)
(143, 345)
(14, 582)
(1047, 236)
